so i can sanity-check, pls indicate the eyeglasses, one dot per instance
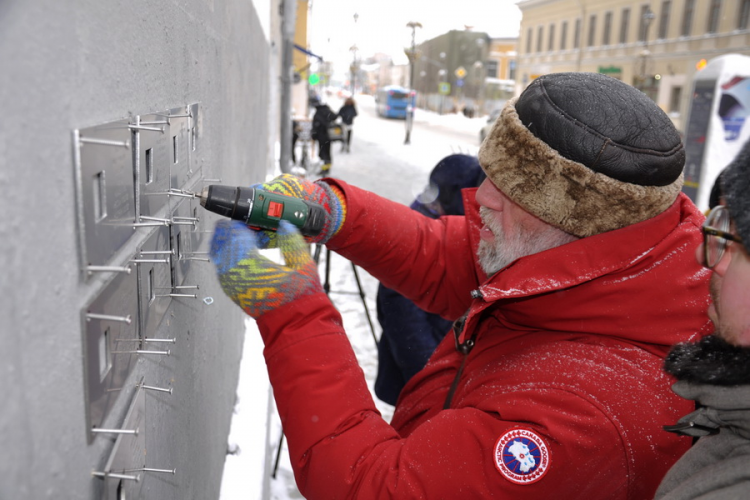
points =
(716, 235)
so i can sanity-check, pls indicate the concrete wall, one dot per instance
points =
(69, 65)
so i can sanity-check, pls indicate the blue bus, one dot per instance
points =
(392, 101)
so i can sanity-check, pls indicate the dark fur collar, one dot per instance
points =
(711, 360)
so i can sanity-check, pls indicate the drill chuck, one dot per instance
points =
(261, 209)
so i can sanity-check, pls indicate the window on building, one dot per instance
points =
(539, 38)
(744, 21)
(512, 69)
(606, 34)
(643, 22)
(624, 25)
(491, 69)
(687, 18)
(564, 34)
(666, 7)
(551, 38)
(528, 41)
(674, 99)
(577, 35)
(592, 30)
(713, 16)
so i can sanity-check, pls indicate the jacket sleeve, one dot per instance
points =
(429, 261)
(341, 448)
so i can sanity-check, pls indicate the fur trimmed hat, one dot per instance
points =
(735, 186)
(585, 153)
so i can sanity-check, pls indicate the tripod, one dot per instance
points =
(327, 289)
(327, 285)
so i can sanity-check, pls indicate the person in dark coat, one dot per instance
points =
(322, 119)
(295, 137)
(715, 370)
(347, 113)
(410, 334)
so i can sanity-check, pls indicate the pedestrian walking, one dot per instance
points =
(322, 120)
(347, 113)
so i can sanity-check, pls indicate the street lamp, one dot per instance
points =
(442, 77)
(353, 67)
(647, 19)
(412, 55)
(478, 66)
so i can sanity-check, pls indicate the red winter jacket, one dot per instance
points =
(562, 395)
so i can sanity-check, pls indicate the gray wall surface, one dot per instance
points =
(69, 65)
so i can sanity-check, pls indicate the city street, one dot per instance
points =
(380, 161)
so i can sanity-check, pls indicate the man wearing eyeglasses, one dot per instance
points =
(715, 371)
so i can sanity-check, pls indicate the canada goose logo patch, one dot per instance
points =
(521, 456)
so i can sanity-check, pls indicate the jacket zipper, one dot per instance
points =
(462, 347)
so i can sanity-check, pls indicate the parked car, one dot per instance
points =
(485, 131)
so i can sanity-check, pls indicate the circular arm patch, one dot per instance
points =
(522, 456)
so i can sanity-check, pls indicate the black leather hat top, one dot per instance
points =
(607, 125)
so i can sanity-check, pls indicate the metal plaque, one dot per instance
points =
(195, 125)
(153, 163)
(154, 280)
(204, 227)
(110, 333)
(105, 190)
(180, 237)
(178, 136)
(124, 468)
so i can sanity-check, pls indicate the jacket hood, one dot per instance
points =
(588, 286)
(720, 407)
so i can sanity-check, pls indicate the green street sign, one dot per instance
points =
(608, 70)
(444, 88)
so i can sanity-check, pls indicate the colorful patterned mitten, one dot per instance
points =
(252, 281)
(330, 197)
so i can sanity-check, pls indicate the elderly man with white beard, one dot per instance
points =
(568, 279)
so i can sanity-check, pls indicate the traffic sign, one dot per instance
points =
(459, 83)
(444, 88)
(460, 72)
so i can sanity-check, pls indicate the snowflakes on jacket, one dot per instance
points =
(567, 346)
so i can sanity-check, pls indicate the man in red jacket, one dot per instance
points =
(568, 279)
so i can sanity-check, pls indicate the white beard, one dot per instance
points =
(494, 257)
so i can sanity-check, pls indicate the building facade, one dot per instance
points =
(455, 62)
(501, 58)
(656, 46)
(501, 64)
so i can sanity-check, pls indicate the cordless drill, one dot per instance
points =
(261, 209)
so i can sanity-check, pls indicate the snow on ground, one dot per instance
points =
(380, 162)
